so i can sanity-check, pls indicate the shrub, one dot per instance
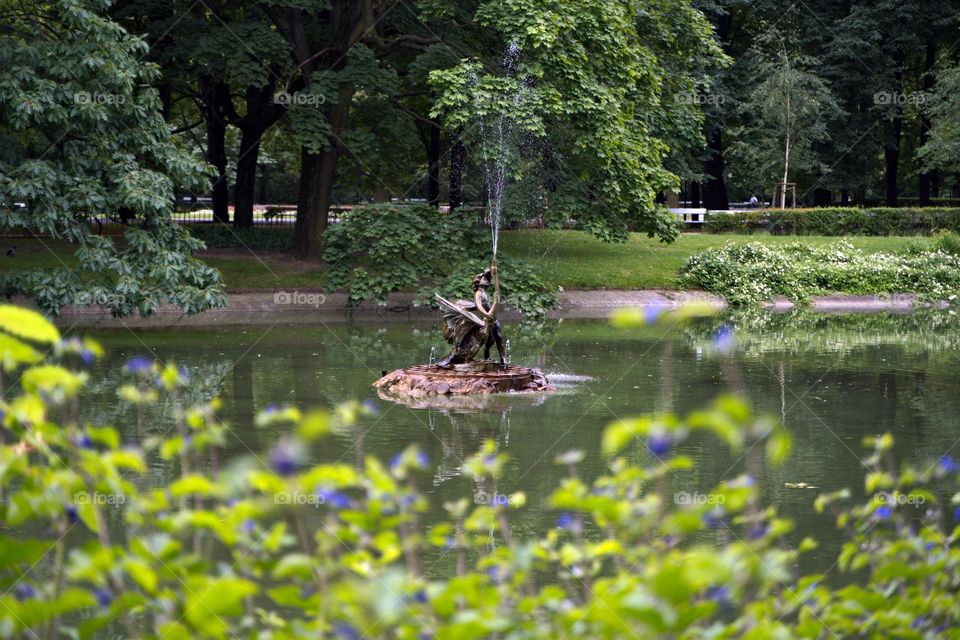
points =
(753, 272)
(837, 221)
(379, 249)
(522, 287)
(279, 548)
(262, 238)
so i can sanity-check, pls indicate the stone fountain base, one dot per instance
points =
(480, 377)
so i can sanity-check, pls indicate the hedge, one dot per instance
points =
(837, 221)
(260, 238)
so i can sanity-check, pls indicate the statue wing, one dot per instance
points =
(452, 307)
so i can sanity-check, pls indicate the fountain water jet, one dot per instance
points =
(471, 325)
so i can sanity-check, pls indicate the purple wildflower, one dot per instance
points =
(333, 498)
(659, 445)
(24, 592)
(138, 364)
(103, 596)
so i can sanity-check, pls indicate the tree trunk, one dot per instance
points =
(247, 158)
(695, 195)
(433, 170)
(457, 155)
(317, 173)
(891, 152)
(715, 189)
(215, 96)
(262, 113)
(924, 180)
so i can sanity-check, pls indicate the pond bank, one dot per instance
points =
(306, 307)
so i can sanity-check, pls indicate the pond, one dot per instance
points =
(832, 379)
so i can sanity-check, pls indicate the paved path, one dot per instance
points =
(306, 307)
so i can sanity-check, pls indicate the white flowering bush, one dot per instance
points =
(753, 273)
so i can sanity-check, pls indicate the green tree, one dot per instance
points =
(84, 137)
(787, 112)
(591, 81)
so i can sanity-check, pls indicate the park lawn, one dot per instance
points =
(569, 259)
(576, 260)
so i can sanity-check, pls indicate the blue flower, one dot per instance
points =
(395, 461)
(718, 594)
(723, 339)
(422, 459)
(659, 445)
(652, 313)
(87, 356)
(715, 518)
(103, 596)
(450, 542)
(184, 374)
(756, 531)
(71, 514)
(956, 514)
(370, 406)
(306, 591)
(495, 574)
(138, 364)
(883, 512)
(346, 631)
(420, 596)
(947, 464)
(24, 592)
(271, 408)
(248, 525)
(333, 498)
(285, 458)
(83, 441)
(565, 520)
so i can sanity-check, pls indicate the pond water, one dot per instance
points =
(833, 379)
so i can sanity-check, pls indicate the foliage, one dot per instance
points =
(752, 273)
(283, 548)
(786, 114)
(837, 221)
(378, 249)
(265, 238)
(590, 83)
(84, 137)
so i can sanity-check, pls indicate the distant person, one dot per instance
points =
(753, 201)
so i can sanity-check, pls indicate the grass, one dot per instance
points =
(577, 260)
(569, 259)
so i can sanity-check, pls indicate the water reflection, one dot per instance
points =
(831, 379)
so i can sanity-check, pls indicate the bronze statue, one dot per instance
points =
(471, 324)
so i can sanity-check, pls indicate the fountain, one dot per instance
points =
(468, 325)
(471, 325)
